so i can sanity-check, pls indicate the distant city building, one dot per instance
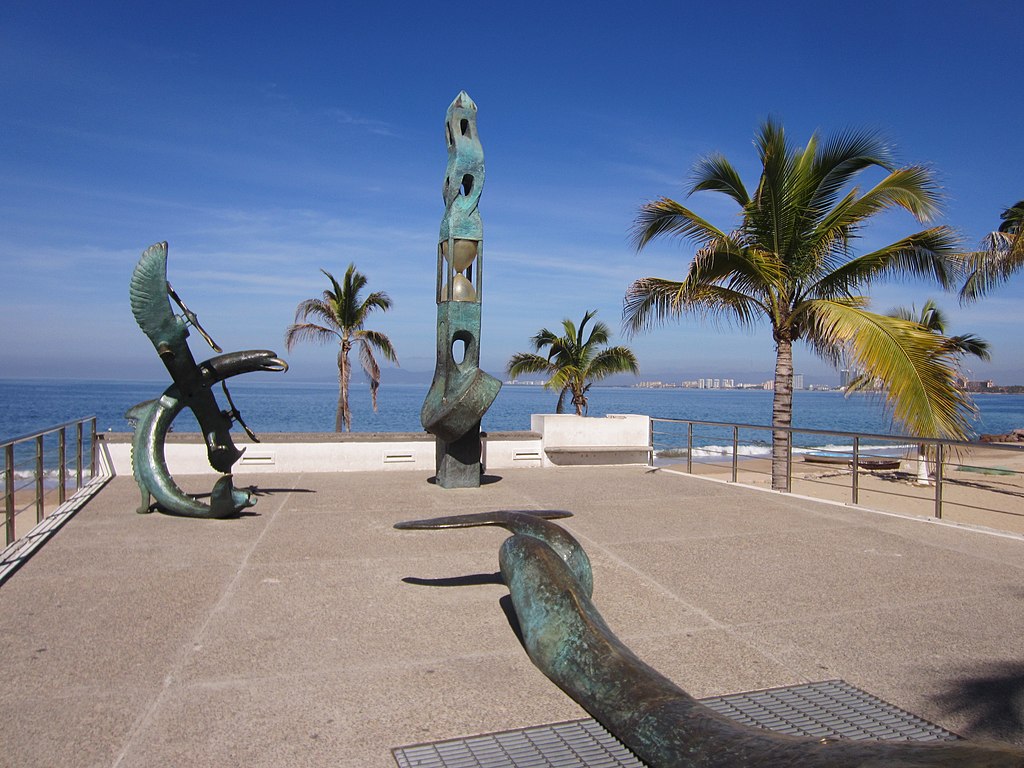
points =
(844, 377)
(798, 381)
(769, 385)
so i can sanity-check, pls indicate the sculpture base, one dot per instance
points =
(458, 462)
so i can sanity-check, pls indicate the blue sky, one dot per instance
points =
(270, 141)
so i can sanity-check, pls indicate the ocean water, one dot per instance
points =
(271, 403)
(274, 404)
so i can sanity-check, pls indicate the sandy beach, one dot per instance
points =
(26, 515)
(983, 487)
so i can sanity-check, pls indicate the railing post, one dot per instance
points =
(789, 461)
(689, 447)
(78, 456)
(62, 460)
(40, 508)
(938, 481)
(92, 447)
(650, 441)
(735, 451)
(9, 491)
(856, 469)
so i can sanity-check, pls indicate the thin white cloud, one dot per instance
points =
(374, 126)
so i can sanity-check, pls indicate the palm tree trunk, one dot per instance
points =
(782, 412)
(343, 417)
(922, 466)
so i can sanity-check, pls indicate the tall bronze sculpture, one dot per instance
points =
(150, 300)
(550, 581)
(460, 393)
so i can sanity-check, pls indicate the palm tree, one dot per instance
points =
(934, 321)
(342, 315)
(574, 360)
(1002, 254)
(789, 260)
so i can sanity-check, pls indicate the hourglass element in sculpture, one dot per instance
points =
(461, 393)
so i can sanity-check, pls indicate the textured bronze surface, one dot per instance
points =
(460, 393)
(550, 581)
(150, 301)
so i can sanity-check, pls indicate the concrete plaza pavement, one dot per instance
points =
(310, 632)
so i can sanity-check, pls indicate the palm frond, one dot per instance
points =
(969, 344)
(370, 367)
(564, 377)
(308, 332)
(524, 362)
(913, 189)
(650, 301)
(715, 173)
(318, 309)
(919, 372)
(1001, 257)
(931, 253)
(612, 360)
(381, 343)
(600, 333)
(376, 300)
(1013, 219)
(842, 157)
(667, 217)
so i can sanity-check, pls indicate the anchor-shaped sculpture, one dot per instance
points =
(151, 296)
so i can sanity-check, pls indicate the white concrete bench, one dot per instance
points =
(613, 439)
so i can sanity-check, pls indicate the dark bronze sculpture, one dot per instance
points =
(150, 299)
(460, 393)
(549, 577)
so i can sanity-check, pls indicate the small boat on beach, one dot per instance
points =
(864, 462)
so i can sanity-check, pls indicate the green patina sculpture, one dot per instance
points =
(550, 581)
(460, 393)
(150, 300)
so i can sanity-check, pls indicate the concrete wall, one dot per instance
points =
(555, 440)
(574, 440)
(352, 452)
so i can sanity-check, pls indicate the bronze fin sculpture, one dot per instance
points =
(548, 576)
(150, 295)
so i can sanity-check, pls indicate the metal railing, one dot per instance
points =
(834, 465)
(38, 473)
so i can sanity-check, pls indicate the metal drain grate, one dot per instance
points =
(830, 708)
(577, 743)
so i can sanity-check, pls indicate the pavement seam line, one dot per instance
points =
(189, 646)
(729, 629)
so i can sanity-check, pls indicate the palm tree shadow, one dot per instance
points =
(990, 697)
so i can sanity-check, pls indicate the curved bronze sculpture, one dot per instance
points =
(460, 393)
(549, 578)
(150, 300)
